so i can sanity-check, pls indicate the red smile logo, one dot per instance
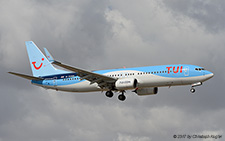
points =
(37, 68)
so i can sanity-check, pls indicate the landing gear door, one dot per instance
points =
(186, 71)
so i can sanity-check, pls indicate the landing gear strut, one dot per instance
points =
(109, 94)
(122, 97)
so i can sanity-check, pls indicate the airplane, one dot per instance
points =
(142, 80)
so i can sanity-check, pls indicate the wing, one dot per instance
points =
(103, 81)
(26, 76)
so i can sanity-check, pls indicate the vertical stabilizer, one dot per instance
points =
(40, 65)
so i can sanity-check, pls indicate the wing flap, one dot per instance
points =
(26, 76)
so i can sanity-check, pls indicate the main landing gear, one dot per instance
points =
(109, 94)
(121, 97)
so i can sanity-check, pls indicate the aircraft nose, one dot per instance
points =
(210, 75)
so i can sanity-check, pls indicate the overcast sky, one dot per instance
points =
(104, 34)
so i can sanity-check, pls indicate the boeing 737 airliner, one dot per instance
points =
(142, 80)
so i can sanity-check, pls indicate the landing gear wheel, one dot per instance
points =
(109, 94)
(192, 90)
(122, 97)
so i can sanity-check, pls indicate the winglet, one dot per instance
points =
(48, 55)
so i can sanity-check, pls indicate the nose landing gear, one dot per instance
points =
(192, 90)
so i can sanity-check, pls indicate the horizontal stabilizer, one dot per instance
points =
(26, 76)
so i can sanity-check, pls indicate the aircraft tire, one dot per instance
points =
(192, 90)
(109, 94)
(121, 97)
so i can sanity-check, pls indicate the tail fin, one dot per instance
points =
(48, 55)
(40, 65)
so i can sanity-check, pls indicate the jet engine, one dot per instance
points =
(126, 83)
(147, 91)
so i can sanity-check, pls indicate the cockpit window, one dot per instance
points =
(199, 69)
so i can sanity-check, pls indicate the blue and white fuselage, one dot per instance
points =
(143, 80)
(152, 76)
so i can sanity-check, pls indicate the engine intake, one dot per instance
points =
(126, 83)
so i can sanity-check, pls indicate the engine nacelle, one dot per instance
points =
(126, 83)
(147, 91)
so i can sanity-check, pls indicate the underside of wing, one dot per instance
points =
(26, 76)
(102, 80)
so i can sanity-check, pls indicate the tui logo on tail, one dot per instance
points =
(37, 68)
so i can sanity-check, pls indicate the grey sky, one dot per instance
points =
(95, 34)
